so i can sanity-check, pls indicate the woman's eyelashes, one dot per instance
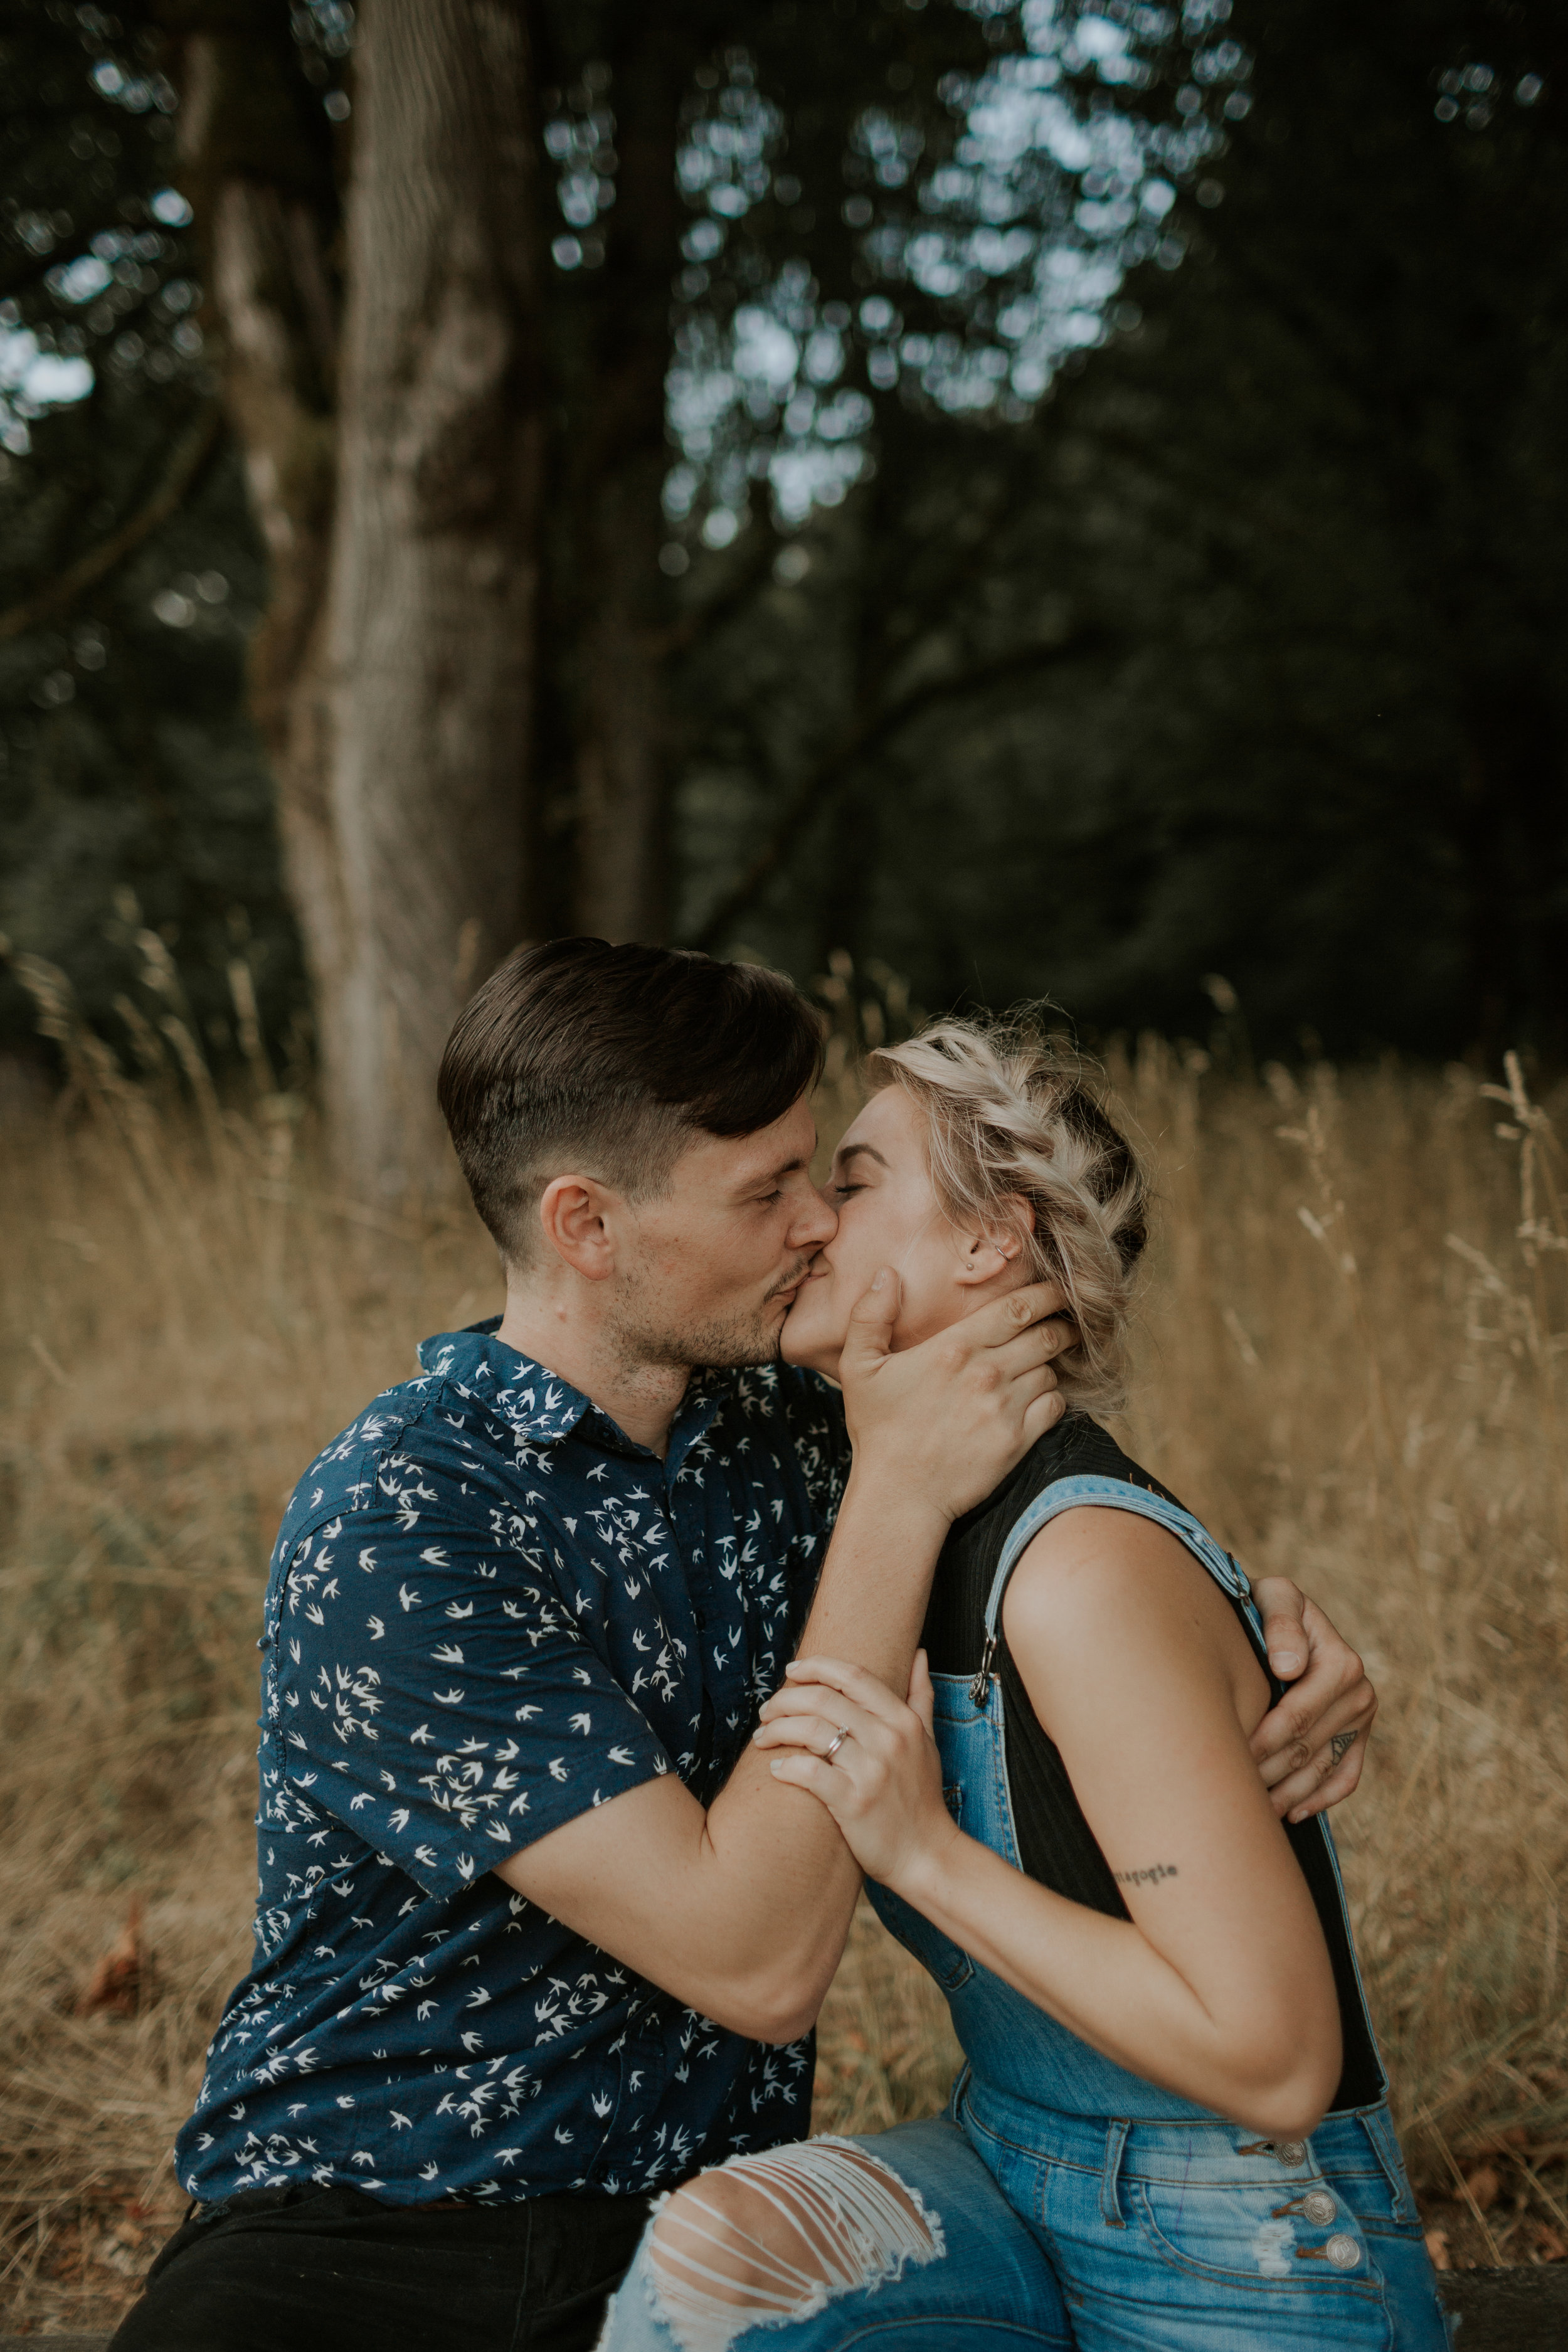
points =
(843, 1191)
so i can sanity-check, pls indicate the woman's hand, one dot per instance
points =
(882, 1784)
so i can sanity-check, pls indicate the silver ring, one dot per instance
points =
(836, 1743)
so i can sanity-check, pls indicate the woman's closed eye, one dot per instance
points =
(843, 1191)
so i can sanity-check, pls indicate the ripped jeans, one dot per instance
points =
(1017, 2225)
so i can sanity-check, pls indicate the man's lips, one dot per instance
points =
(787, 1293)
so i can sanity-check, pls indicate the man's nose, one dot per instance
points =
(815, 1226)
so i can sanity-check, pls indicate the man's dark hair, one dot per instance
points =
(612, 1060)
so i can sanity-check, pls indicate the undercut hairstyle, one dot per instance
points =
(1014, 1121)
(577, 1057)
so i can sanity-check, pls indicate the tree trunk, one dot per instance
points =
(413, 883)
(256, 159)
(622, 751)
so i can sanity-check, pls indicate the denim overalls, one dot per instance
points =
(1066, 2199)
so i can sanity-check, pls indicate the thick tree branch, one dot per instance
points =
(190, 454)
(869, 732)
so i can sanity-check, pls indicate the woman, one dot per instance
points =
(1171, 2131)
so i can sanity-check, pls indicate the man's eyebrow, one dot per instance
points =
(846, 1152)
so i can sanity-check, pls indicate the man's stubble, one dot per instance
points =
(646, 1338)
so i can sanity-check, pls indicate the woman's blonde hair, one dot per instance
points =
(1011, 1119)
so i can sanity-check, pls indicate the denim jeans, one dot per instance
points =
(1048, 2230)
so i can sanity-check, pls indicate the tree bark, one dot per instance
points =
(412, 886)
(620, 726)
(256, 160)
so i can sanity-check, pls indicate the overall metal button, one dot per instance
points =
(1290, 2151)
(1344, 2253)
(1317, 2206)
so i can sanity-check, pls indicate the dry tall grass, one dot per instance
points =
(1353, 1368)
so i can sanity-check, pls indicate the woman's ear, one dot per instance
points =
(985, 1255)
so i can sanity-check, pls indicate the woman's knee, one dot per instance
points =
(776, 2237)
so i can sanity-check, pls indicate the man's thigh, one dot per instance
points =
(898, 2241)
(333, 2270)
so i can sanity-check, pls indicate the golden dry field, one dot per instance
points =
(1353, 1366)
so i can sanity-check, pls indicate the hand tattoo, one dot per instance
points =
(1342, 1743)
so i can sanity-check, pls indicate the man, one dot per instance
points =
(538, 1934)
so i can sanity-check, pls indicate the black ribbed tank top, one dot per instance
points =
(1056, 1845)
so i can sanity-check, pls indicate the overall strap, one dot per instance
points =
(1111, 1494)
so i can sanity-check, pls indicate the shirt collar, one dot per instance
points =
(541, 1408)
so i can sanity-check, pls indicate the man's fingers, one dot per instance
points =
(1290, 1736)
(1327, 1780)
(1283, 1607)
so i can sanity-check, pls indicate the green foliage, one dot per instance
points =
(1236, 650)
(129, 572)
(1306, 523)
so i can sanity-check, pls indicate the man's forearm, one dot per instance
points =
(741, 1911)
(784, 1880)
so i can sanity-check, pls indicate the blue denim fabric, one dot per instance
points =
(1162, 2226)
(991, 2283)
(1004, 2037)
(1203, 2238)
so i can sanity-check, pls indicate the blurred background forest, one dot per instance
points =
(1052, 496)
(962, 499)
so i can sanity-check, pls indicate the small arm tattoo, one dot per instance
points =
(1149, 1877)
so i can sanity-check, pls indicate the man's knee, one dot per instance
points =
(776, 2237)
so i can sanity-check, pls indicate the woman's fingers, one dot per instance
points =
(863, 1689)
(923, 1693)
(800, 1770)
(818, 1726)
(806, 1698)
(1037, 1349)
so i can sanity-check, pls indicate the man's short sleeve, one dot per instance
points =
(437, 1700)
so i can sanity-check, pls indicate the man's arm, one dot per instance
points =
(742, 1910)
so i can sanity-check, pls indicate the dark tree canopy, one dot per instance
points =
(1057, 500)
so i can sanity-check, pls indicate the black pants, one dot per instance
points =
(330, 2269)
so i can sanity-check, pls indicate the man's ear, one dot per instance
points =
(985, 1255)
(574, 1215)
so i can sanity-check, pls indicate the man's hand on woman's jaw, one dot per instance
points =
(1309, 1748)
(942, 1423)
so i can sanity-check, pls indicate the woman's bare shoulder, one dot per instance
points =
(1100, 1586)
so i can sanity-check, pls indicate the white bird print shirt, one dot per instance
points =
(488, 1611)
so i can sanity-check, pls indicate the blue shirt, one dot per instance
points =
(489, 1609)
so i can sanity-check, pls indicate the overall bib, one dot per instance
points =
(1063, 2200)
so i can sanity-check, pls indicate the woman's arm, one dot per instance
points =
(1219, 1986)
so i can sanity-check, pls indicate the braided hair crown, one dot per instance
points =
(1014, 1126)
